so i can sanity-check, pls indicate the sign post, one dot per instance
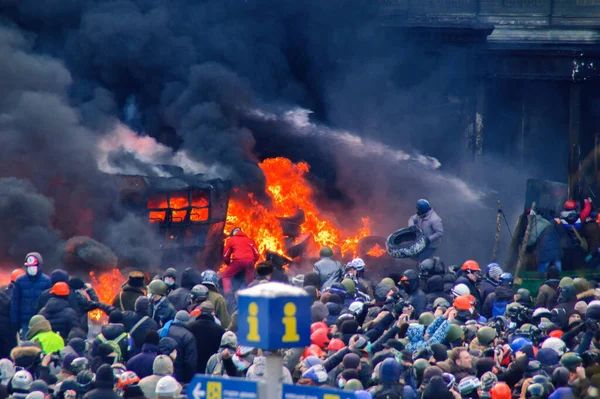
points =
(274, 316)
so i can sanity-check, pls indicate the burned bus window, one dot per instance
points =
(199, 206)
(158, 205)
(179, 203)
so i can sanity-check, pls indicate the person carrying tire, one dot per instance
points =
(240, 255)
(431, 224)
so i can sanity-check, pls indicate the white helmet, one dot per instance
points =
(460, 290)
(357, 264)
(22, 380)
(555, 343)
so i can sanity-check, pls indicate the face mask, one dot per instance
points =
(341, 383)
(239, 363)
(32, 270)
(169, 281)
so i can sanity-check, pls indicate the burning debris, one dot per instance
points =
(107, 286)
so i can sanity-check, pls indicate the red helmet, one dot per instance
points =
(320, 338)
(570, 205)
(317, 326)
(500, 391)
(312, 350)
(462, 303)
(16, 274)
(60, 289)
(471, 265)
(336, 344)
(556, 334)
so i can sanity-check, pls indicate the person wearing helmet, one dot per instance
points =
(210, 280)
(495, 304)
(329, 270)
(58, 312)
(355, 270)
(469, 275)
(500, 391)
(180, 297)
(198, 294)
(428, 221)
(240, 255)
(27, 290)
(160, 308)
(411, 291)
(569, 228)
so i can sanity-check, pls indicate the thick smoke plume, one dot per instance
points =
(214, 86)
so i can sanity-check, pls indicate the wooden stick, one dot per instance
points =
(523, 248)
(497, 235)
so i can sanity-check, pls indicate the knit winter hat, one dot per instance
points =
(547, 357)
(351, 361)
(316, 373)
(430, 372)
(581, 307)
(390, 371)
(167, 386)
(312, 361)
(35, 320)
(152, 337)
(318, 312)
(468, 384)
(495, 271)
(182, 316)
(488, 380)
(298, 280)
(229, 340)
(142, 304)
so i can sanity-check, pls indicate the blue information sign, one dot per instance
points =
(308, 392)
(207, 387)
(274, 316)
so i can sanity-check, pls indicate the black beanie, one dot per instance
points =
(78, 345)
(440, 352)
(483, 365)
(152, 338)
(76, 283)
(349, 327)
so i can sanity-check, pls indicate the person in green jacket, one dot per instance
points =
(210, 280)
(40, 331)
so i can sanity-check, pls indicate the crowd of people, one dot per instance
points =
(432, 332)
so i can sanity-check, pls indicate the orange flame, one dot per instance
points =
(290, 191)
(376, 251)
(107, 285)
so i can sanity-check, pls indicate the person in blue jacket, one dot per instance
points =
(27, 289)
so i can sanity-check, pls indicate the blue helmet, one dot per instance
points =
(210, 277)
(519, 343)
(507, 278)
(423, 206)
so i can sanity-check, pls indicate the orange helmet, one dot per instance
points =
(462, 303)
(317, 326)
(556, 334)
(336, 344)
(320, 338)
(570, 205)
(16, 274)
(60, 289)
(471, 265)
(312, 350)
(500, 391)
(128, 378)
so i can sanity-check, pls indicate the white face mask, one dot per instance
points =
(169, 281)
(32, 270)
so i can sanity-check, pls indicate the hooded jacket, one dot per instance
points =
(26, 291)
(240, 247)
(547, 294)
(180, 297)
(162, 366)
(329, 272)
(61, 316)
(503, 293)
(43, 334)
(435, 290)
(161, 311)
(415, 296)
(431, 224)
(220, 306)
(567, 297)
(487, 287)
(111, 332)
(142, 363)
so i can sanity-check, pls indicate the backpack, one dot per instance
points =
(114, 344)
(498, 308)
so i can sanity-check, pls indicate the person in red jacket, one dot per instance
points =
(240, 254)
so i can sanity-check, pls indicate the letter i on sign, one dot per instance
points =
(253, 323)
(290, 324)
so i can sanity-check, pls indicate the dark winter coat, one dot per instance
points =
(141, 364)
(208, 338)
(8, 338)
(548, 246)
(487, 287)
(26, 292)
(130, 319)
(111, 332)
(435, 290)
(125, 300)
(473, 289)
(503, 293)
(187, 353)
(162, 311)
(62, 317)
(179, 298)
(413, 294)
(547, 294)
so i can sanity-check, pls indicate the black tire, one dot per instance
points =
(406, 243)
